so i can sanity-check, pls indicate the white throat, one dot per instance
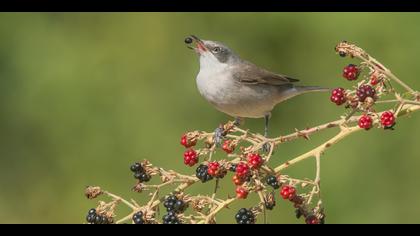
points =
(209, 64)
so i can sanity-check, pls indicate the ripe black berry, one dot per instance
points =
(136, 167)
(140, 172)
(99, 219)
(90, 218)
(202, 173)
(232, 168)
(188, 40)
(170, 218)
(172, 203)
(138, 218)
(342, 54)
(92, 211)
(364, 92)
(245, 216)
(273, 182)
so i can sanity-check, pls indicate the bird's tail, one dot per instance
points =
(308, 89)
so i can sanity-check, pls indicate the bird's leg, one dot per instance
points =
(266, 147)
(219, 133)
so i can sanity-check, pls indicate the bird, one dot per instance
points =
(238, 87)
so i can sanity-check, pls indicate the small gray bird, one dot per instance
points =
(238, 87)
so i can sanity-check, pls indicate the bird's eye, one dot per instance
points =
(216, 49)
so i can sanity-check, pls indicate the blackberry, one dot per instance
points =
(171, 218)
(364, 92)
(101, 219)
(90, 218)
(144, 177)
(202, 173)
(245, 216)
(94, 218)
(136, 167)
(173, 204)
(140, 172)
(273, 182)
(188, 40)
(138, 218)
(92, 211)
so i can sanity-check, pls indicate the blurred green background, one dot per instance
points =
(82, 96)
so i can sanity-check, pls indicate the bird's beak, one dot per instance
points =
(200, 47)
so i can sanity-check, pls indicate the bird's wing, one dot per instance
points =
(249, 73)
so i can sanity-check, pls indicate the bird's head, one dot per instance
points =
(211, 51)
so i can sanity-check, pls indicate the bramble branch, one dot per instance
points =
(252, 173)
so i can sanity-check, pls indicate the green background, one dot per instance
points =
(82, 96)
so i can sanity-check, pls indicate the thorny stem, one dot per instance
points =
(224, 204)
(120, 199)
(316, 188)
(318, 150)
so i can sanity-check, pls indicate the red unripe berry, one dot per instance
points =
(351, 72)
(241, 192)
(288, 192)
(365, 122)
(237, 180)
(365, 91)
(228, 147)
(186, 142)
(190, 157)
(374, 80)
(254, 160)
(213, 168)
(387, 119)
(338, 96)
(242, 170)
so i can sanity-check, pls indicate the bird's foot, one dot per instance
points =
(266, 147)
(219, 133)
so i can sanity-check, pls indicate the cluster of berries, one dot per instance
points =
(94, 217)
(140, 173)
(173, 207)
(365, 92)
(243, 173)
(214, 169)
